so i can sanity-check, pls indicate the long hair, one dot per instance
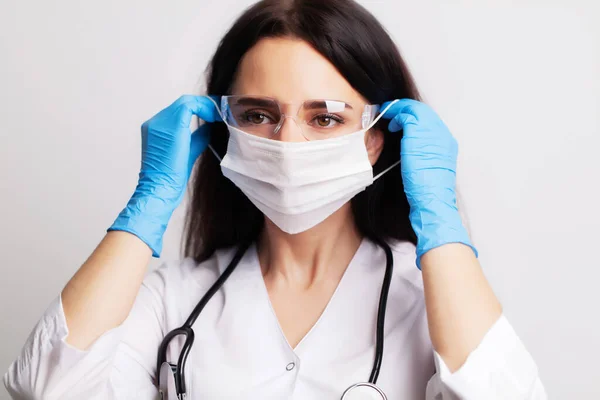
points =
(219, 214)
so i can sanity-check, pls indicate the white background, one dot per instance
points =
(518, 84)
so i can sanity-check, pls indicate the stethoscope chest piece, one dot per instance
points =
(167, 387)
(363, 391)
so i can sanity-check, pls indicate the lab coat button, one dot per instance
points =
(290, 366)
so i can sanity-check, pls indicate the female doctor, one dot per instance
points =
(325, 255)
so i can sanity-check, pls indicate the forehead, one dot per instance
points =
(291, 71)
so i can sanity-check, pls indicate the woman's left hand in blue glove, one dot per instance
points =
(428, 154)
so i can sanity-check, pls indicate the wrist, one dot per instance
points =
(437, 225)
(145, 216)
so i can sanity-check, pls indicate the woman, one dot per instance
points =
(320, 247)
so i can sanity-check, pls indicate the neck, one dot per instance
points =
(307, 258)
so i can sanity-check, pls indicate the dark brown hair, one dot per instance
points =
(219, 214)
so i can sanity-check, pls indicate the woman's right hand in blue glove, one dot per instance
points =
(169, 151)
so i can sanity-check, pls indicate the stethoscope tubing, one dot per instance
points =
(381, 310)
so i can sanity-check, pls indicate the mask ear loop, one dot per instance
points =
(215, 153)
(379, 175)
(386, 170)
(221, 115)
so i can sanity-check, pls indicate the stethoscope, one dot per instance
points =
(171, 377)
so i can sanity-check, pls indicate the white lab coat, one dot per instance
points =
(240, 351)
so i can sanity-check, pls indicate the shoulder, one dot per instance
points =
(174, 288)
(180, 274)
(405, 263)
(405, 271)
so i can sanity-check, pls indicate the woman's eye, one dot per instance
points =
(327, 121)
(257, 118)
(324, 121)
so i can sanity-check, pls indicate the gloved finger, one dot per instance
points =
(399, 106)
(401, 121)
(201, 106)
(402, 113)
(198, 143)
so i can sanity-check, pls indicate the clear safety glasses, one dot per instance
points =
(318, 119)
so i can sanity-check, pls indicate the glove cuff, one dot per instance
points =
(147, 218)
(437, 229)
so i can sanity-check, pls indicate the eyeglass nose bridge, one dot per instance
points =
(282, 120)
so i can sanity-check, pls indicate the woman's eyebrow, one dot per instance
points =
(255, 101)
(309, 104)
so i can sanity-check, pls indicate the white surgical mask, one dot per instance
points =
(297, 185)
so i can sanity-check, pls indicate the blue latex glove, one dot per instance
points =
(169, 151)
(428, 153)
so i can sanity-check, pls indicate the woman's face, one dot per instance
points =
(291, 71)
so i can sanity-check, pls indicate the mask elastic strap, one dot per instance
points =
(386, 170)
(215, 153)
(372, 124)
